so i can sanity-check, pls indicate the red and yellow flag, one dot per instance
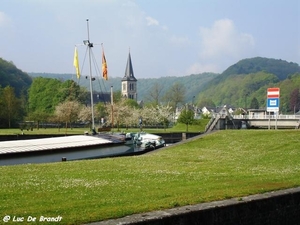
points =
(104, 66)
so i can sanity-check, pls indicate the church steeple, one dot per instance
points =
(129, 87)
(129, 75)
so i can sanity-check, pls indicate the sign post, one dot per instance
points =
(273, 102)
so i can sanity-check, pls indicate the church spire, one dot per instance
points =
(129, 82)
(129, 75)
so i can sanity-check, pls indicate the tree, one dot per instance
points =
(254, 103)
(187, 117)
(175, 95)
(131, 103)
(101, 111)
(119, 112)
(38, 116)
(155, 93)
(206, 102)
(67, 112)
(294, 100)
(85, 114)
(11, 105)
(117, 96)
(164, 113)
(46, 93)
(71, 91)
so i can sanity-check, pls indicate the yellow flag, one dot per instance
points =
(76, 63)
(104, 67)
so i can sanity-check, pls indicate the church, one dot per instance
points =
(129, 82)
(128, 86)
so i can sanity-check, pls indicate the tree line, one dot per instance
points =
(242, 85)
(65, 103)
(249, 91)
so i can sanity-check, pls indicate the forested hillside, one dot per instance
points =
(193, 83)
(14, 85)
(239, 85)
(280, 68)
(10, 75)
(249, 79)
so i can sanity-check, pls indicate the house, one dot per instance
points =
(222, 110)
(197, 111)
(258, 113)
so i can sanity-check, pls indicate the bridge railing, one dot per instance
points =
(263, 117)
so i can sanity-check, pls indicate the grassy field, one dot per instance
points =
(221, 165)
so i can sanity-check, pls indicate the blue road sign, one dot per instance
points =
(273, 104)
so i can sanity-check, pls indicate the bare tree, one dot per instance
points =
(175, 95)
(154, 94)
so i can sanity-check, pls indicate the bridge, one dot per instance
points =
(228, 121)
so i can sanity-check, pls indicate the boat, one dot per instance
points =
(145, 141)
(65, 148)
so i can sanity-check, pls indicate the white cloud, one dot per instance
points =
(224, 40)
(221, 45)
(151, 21)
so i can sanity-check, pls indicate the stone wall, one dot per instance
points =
(273, 208)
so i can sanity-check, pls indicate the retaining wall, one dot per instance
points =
(273, 208)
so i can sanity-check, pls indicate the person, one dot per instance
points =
(141, 123)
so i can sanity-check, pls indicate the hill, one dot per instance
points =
(10, 75)
(193, 83)
(250, 78)
(281, 68)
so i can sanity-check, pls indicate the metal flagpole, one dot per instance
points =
(112, 106)
(90, 45)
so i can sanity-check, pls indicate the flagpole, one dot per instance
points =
(90, 45)
(112, 106)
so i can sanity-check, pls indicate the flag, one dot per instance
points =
(104, 66)
(76, 63)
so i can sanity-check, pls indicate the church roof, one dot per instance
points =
(129, 76)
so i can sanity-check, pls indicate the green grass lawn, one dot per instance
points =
(200, 127)
(221, 165)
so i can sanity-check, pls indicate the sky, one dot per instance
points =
(164, 37)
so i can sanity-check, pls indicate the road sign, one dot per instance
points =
(273, 92)
(273, 99)
(273, 105)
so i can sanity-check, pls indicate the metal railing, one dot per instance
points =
(264, 117)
